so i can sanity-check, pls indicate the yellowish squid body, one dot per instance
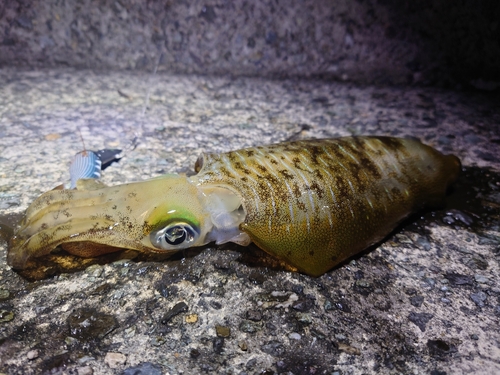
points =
(310, 203)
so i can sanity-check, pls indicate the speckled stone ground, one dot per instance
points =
(427, 300)
(369, 41)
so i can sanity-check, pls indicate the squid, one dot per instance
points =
(312, 203)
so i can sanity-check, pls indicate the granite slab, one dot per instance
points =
(425, 301)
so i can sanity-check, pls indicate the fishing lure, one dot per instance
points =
(311, 203)
(85, 164)
(88, 164)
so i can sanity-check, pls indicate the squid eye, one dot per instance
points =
(175, 235)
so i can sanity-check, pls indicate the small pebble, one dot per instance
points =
(298, 289)
(479, 298)
(85, 359)
(363, 283)
(294, 336)
(251, 363)
(216, 305)
(349, 349)
(70, 340)
(222, 331)
(6, 316)
(424, 243)
(254, 315)
(85, 370)
(249, 327)
(430, 281)
(328, 305)
(94, 270)
(175, 310)
(403, 239)
(32, 354)
(218, 345)
(114, 360)
(145, 368)
(191, 318)
(124, 271)
(243, 345)
(448, 220)
(496, 310)
(480, 279)
(52, 136)
(194, 353)
(158, 340)
(304, 318)
(4, 294)
(130, 332)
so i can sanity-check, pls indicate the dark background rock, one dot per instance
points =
(437, 42)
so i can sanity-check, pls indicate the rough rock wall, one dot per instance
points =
(367, 41)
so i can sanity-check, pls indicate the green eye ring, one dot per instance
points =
(176, 235)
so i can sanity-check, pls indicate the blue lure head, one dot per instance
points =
(85, 164)
(88, 164)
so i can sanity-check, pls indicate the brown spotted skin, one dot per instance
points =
(315, 203)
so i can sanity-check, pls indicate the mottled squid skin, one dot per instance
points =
(310, 203)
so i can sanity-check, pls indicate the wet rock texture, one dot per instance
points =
(425, 301)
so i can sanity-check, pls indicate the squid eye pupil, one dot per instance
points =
(175, 235)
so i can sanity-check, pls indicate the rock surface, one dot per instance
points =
(425, 301)
(435, 42)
